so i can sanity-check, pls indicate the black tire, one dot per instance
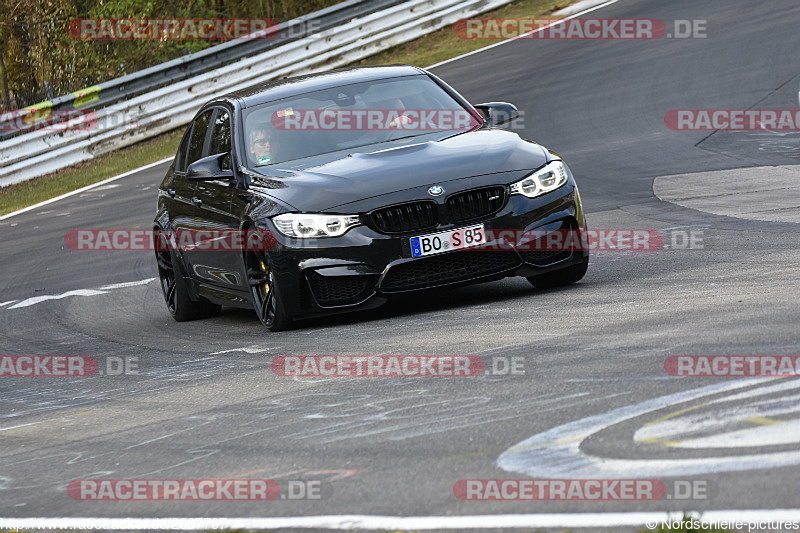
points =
(266, 303)
(173, 286)
(559, 278)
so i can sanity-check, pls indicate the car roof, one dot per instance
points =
(286, 87)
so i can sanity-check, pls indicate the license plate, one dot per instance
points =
(445, 241)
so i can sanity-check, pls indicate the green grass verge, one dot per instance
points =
(426, 50)
(17, 196)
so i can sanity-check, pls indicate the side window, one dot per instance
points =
(198, 138)
(180, 161)
(221, 138)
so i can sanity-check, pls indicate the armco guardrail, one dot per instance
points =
(150, 79)
(170, 107)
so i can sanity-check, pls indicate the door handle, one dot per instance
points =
(197, 201)
(171, 193)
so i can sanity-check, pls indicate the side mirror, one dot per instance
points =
(209, 168)
(498, 113)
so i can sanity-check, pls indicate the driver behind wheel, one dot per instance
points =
(260, 144)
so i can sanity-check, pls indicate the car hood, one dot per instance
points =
(332, 181)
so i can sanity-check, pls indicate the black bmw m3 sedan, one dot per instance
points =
(370, 181)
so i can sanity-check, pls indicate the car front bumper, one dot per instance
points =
(363, 268)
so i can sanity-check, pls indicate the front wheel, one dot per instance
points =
(179, 302)
(265, 298)
(559, 278)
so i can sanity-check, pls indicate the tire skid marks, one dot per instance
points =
(320, 417)
(405, 417)
(67, 393)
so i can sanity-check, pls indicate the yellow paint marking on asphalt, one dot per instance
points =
(660, 442)
(673, 415)
(664, 442)
(761, 420)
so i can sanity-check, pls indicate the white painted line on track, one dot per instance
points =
(80, 292)
(256, 348)
(349, 522)
(39, 299)
(126, 284)
(522, 36)
(557, 453)
(21, 426)
(87, 188)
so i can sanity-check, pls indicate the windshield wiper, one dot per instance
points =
(258, 178)
(451, 133)
(401, 138)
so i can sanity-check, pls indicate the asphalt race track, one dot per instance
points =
(594, 402)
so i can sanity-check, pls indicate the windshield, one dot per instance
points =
(350, 116)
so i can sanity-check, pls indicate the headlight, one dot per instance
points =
(546, 179)
(303, 225)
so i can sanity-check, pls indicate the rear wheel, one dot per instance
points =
(559, 278)
(176, 294)
(265, 298)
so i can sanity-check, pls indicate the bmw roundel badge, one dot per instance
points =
(436, 190)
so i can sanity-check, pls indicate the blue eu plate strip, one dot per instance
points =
(416, 251)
